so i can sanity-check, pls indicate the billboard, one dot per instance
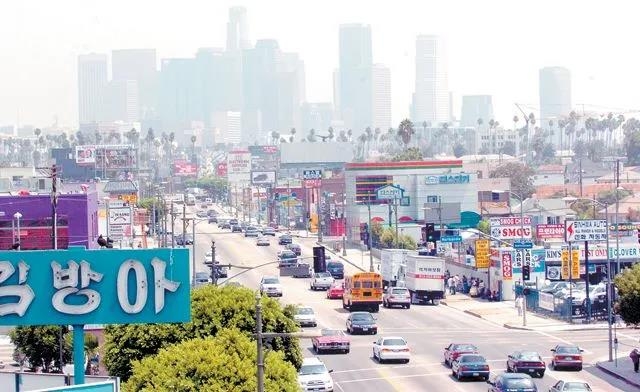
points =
(545, 232)
(78, 286)
(85, 155)
(366, 188)
(221, 169)
(115, 156)
(264, 157)
(239, 166)
(184, 168)
(263, 177)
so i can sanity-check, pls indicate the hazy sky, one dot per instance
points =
(495, 47)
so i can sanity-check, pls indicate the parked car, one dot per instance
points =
(362, 322)
(263, 241)
(392, 348)
(335, 268)
(295, 248)
(331, 340)
(454, 350)
(396, 296)
(570, 386)
(285, 239)
(529, 362)
(566, 356)
(508, 382)
(470, 365)
(305, 316)
(314, 376)
(270, 285)
(321, 281)
(336, 291)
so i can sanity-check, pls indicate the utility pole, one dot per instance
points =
(214, 271)
(173, 225)
(617, 213)
(289, 205)
(260, 359)
(184, 224)
(369, 236)
(320, 215)
(395, 210)
(193, 245)
(54, 213)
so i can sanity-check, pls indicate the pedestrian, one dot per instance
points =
(519, 303)
(635, 358)
(452, 285)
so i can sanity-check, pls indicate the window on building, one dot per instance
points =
(433, 199)
(553, 220)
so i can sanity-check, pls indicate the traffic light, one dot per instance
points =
(432, 234)
(526, 272)
(319, 259)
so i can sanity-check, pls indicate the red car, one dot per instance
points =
(528, 362)
(336, 291)
(331, 340)
(454, 350)
(565, 356)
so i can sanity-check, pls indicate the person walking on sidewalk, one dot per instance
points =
(519, 302)
(635, 358)
(452, 285)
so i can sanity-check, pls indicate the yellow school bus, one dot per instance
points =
(362, 291)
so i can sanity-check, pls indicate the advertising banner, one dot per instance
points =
(510, 228)
(265, 158)
(482, 253)
(263, 177)
(545, 232)
(182, 168)
(585, 230)
(221, 169)
(570, 264)
(239, 166)
(507, 270)
(85, 155)
(546, 301)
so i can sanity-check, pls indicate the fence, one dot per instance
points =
(560, 308)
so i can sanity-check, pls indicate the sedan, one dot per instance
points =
(269, 231)
(285, 239)
(528, 362)
(570, 386)
(392, 348)
(331, 340)
(454, 350)
(202, 278)
(362, 322)
(470, 365)
(508, 382)
(263, 241)
(201, 214)
(295, 248)
(336, 291)
(566, 356)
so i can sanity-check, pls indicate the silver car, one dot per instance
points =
(321, 281)
(396, 296)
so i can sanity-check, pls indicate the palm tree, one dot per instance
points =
(331, 133)
(292, 135)
(342, 136)
(349, 135)
(376, 136)
(149, 139)
(193, 148)
(311, 137)
(406, 131)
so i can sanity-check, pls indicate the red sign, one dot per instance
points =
(507, 270)
(221, 169)
(184, 169)
(544, 232)
(316, 183)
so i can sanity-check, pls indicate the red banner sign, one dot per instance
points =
(544, 232)
(184, 168)
(507, 269)
(221, 169)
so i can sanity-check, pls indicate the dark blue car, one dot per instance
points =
(336, 269)
(470, 366)
(507, 382)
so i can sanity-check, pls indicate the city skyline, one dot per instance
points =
(40, 74)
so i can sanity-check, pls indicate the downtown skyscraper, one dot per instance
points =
(431, 101)
(92, 87)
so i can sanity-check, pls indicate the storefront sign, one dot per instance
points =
(545, 232)
(315, 174)
(570, 265)
(482, 253)
(507, 270)
(447, 179)
(511, 232)
(585, 230)
(546, 301)
(628, 251)
(510, 221)
(78, 286)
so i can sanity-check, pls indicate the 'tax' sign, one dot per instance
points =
(586, 230)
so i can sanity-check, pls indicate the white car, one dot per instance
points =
(305, 316)
(263, 241)
(396, 296)
(314, 376)
(270, 285)
(391, 348)
(321, 281)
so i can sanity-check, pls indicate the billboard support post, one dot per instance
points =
(78, 354)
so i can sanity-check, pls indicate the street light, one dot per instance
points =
(521, 200)
(18, 216)
(571, 199)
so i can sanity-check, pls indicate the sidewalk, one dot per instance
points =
(624, 370)
(355, 256)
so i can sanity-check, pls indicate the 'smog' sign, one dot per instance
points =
(77, 286)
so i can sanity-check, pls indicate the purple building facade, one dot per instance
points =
(77, 221)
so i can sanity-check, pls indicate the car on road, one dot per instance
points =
(331, 340)
(251, 231)
(528, 362)
(263, 241)
(314, 376)
(236, 228)
(295, 248)
(305, 316)
(391, 348)
(201, 214)
(221, 271)
(285, 239)
(224, 225)
(570, 386)
(335, 291)
(270, 285)
(321, 281)
(287, 257)
(396, 296)
(186, 240)
(507, 382)
(213, 219)
(269, 231)
(233, 221)
(454, 350)
(202, 278)
(362, 322)
(566, 356)
(335, 268)
(212, 213)
(470, 365)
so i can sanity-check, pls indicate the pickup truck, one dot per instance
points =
(321, 281)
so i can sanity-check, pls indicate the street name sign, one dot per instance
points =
(523, 245)
(585, 230)
(451, 238)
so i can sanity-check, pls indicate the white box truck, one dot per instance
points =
(392, 262)
(424, 277)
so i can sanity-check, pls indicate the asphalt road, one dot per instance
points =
(428, 329)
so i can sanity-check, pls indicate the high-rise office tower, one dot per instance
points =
(122, 101)
(356, 62)
(431, 97)
(92, 84)
(476, 107)
(138, 65)
(237, 35)
(555, 97)
(381, 95)
(177, 94)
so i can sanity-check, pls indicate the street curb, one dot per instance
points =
(340, 256)
(616, 375)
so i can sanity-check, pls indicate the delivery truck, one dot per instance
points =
(392, 264)
(424, 278)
